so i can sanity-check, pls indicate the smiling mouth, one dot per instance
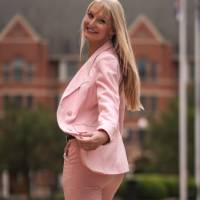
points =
(90, 30)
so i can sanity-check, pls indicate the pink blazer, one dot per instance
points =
(91, 102)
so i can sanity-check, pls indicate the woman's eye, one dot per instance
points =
(102, 21)
(90, 15)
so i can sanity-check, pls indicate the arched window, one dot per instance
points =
(18, 66)
(18, 70)
(142, 65)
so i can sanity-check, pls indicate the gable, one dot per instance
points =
(18, 29)
(144, 30)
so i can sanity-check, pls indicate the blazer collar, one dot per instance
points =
(107, 45)
(82, 75)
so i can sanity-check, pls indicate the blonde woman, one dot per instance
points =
(91, 109)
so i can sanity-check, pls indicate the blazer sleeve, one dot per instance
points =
(107, 83)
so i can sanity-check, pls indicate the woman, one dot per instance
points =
(91, 110)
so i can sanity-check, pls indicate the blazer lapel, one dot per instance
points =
(77, 81)
(83, 73)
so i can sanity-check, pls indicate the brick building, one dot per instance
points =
(158, 74)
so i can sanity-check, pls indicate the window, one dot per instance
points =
(56, 101)
(6, 101)
(144, 102)
(150, 103)
(29, 101)
(18, 66)
(17, 100)
(153, 71)
(154, 103)
(142, 68)
(147, 69)
(71, 69)
(5, 72)
(30, 71)
(17, 70)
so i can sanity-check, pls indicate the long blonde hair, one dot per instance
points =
(130, 78)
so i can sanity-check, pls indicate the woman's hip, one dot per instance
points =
(76, 174)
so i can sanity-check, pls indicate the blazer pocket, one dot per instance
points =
(74, 86)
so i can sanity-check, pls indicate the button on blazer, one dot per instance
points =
(91, 102)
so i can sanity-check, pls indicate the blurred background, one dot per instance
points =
(39, 54)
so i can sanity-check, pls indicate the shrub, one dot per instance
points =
(154, 187)
(150, 187)
(172, 185)
(192, 189)
(122, 189)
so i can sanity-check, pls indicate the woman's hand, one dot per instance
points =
(91, 141)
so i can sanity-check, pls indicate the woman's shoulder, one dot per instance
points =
(107, 58)
(108, 55)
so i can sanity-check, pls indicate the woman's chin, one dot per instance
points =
(90, 40)
(90, 37)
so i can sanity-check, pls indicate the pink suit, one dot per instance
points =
(92, 102)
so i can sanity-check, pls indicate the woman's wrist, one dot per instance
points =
(105, 138)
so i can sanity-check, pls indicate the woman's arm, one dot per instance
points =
(108, 99)
(107, 83)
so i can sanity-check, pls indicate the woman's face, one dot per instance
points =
(97, 25)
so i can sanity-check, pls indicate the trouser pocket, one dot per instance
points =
(66, 149)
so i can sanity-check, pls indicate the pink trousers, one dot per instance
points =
(79, 183)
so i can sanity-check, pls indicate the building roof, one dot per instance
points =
(23, 26)
(59, 21)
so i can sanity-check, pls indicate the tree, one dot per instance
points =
(30, 141)
(162, 146)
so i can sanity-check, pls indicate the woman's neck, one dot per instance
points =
(93, 47)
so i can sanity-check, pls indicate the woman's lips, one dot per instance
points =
(90, 30)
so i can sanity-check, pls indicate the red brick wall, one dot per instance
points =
(17, 43)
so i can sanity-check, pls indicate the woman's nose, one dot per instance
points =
(92, 21)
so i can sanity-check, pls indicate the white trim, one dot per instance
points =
(161, 82)
(28, 92)
(158, 93)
